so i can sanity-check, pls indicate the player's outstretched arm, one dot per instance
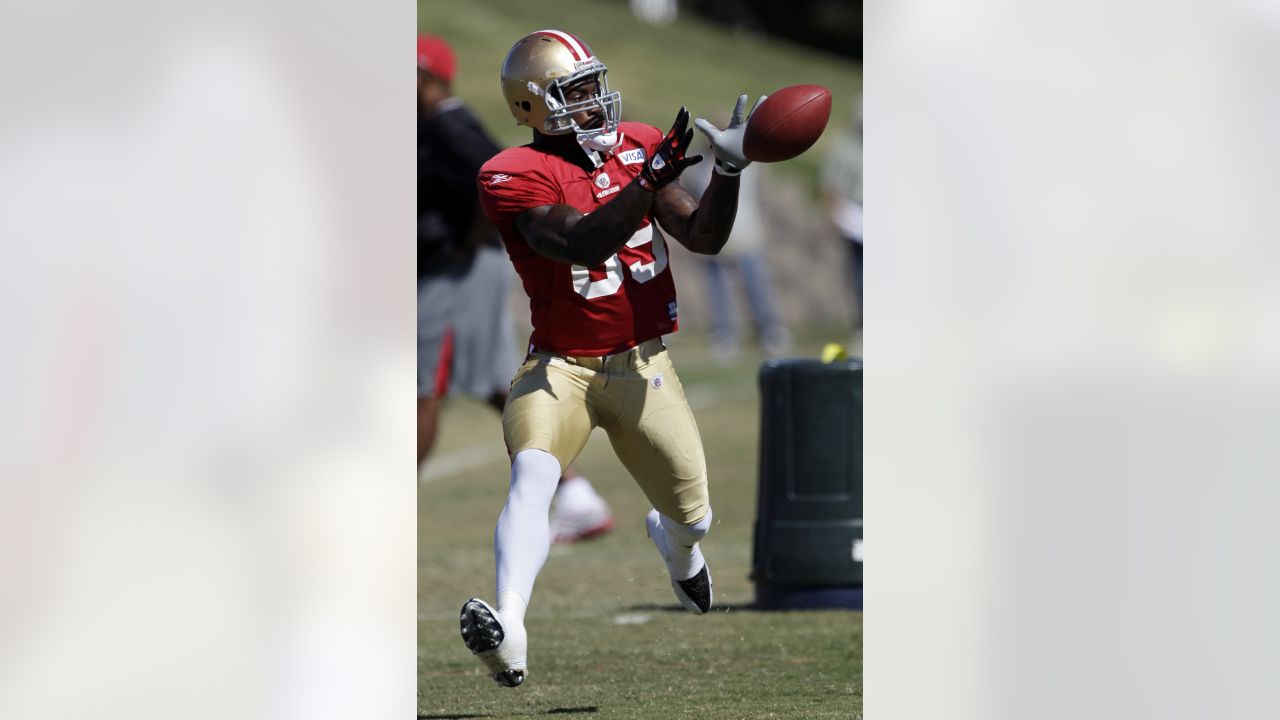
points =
(562, 233)
(704, 227)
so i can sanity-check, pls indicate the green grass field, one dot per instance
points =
(607, 637)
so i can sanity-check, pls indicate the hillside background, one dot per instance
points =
(701, 65)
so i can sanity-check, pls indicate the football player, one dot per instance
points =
(584, 211)
(466, 341)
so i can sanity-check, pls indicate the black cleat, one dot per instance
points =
(509, 678)
(697, 589)
(695, 593)
(481, 631)
(502, 652)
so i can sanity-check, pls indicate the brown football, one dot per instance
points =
(787, 123)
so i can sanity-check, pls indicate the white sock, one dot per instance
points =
(511, 606)
(515, 645)
(682, 541)
(523, 538)
(575, 494)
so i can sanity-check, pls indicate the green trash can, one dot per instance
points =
(808, 534)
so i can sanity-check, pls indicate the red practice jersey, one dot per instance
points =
(628, 299)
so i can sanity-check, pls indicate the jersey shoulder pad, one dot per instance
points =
(518, 166)
(643, 134)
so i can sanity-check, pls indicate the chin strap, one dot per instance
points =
(596, 145)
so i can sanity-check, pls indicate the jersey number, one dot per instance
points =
(642, 272)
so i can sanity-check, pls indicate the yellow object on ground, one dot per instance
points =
(832, 352)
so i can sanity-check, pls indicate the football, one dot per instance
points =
(787, 123)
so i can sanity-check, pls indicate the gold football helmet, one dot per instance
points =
(538, 69)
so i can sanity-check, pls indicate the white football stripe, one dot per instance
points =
(631, 619)
(571, 41)
(461, 461)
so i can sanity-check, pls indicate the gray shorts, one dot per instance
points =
(466, 339)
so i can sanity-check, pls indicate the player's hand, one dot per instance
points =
(726, 144)
(668, 161)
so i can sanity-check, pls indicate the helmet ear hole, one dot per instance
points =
(524, 105)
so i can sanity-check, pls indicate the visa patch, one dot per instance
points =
(632, 157)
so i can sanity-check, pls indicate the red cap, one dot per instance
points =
(436, 57)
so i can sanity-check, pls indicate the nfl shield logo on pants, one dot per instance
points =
(655, 382)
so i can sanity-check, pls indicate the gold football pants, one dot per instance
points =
(635, 396)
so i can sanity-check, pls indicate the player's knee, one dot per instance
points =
(535, 472)
(688, 533)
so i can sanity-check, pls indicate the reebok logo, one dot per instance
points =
(610, 191)
(632, 157)
(499, 178)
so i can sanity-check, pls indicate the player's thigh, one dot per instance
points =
(657, 439)
(547, 410)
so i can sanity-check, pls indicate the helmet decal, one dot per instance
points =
(577, 48)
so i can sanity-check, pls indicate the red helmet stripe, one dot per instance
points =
(582, 47)
(575, 46)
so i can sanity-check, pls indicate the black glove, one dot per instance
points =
(668, 161)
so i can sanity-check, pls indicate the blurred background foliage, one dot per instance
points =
(702, 61)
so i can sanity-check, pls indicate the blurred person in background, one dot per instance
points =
(741, 259)
(842, 190)
(578, 210)
(466, 339)
(655, 12)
